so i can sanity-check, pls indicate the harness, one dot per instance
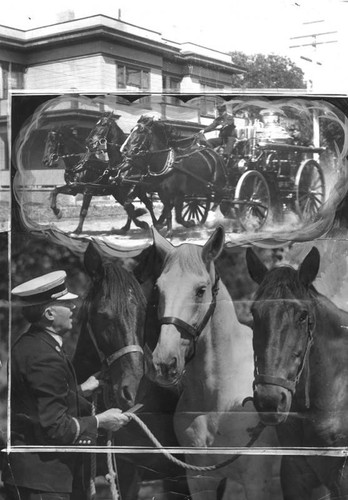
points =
(290, 385)
(110, 360)
(194, 331)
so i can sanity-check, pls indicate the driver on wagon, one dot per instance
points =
(48, 408)
(227, 135)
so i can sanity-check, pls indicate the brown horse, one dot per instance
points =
(301, 373)
(197, 172)
(87, 171)
(112, 339)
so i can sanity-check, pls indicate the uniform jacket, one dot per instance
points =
(46, 409)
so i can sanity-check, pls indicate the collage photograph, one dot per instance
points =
(174, 255)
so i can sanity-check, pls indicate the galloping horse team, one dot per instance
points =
(109, 164)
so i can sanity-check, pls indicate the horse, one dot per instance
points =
(202, 346)
(111, 339)
(106, 138)
(153, 151)
(301, 372)
(87, 171)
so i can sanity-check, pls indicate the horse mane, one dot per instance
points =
(188, 257)
(117, 284)
(281, 283)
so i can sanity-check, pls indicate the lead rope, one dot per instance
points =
(255, 435)
(92, 488)
(112, 474)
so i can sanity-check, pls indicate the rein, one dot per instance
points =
(290, 385)
(193, 332)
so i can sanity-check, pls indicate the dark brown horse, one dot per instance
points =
(87, 171)
(112, 340)
(176, 174)
(301, 373)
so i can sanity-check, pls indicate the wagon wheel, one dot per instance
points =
(253, 193)
(196, 209)
(309, 189)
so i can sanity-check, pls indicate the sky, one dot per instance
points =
(250, 26)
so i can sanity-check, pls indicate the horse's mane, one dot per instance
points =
(283, 283)
(188, 257)
(117, 285)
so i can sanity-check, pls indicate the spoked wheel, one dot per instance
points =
(253, 200)
(309, 189)
(196, 209)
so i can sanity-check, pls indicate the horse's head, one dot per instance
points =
(115, 314)
(149, 134)
(187, 289)
(283, 322)
(54, 148)
(105, 132)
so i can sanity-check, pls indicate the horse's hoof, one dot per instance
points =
(77, 231)
(143, 225)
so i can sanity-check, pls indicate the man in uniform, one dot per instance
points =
(46, 403)
(227, 135)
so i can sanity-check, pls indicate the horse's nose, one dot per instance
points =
(125, 397)
(169, 370)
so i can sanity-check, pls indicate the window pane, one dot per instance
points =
(133, 77)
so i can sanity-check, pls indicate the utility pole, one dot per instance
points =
(313, 39)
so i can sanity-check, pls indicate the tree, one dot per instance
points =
(267, 71)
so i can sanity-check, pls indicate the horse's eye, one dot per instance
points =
(303, 316)
(200, 291)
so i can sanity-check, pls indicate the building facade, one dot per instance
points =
(102, 54)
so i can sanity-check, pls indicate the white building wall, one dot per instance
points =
(82, 73)
(188, 85)
(109, 73)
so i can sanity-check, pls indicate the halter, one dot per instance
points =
(290, 385)
(193, 332)
(110, 360)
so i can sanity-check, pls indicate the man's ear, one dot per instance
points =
(48, 313)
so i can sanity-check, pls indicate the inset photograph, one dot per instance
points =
(265, 169)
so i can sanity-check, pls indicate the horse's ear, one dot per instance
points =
(309, 268)
(163, 246)
(93, 261)
(256, 268)
(214, 245)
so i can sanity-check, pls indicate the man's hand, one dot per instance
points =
(91, 384)
(112, 420)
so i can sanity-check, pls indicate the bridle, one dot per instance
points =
(290, 385)
(192, 332)
(119, 353)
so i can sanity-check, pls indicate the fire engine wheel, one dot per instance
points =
(196, 209)
(253, 200)
(309, 189)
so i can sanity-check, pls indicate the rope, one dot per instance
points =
(112, 474)
(255, 435)
(92, 488)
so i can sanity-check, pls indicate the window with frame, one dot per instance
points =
(12, 77)
(171, 83)
(129, 77)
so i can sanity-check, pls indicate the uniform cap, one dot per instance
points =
(43, 289)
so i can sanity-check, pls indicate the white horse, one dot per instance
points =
(203, 345)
